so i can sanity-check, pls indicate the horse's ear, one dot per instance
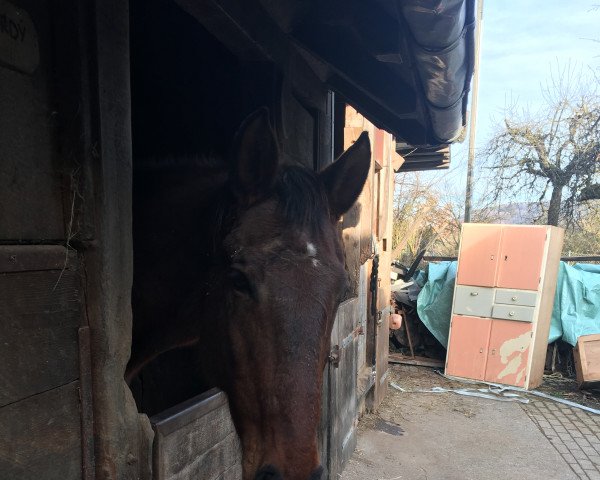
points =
(255, 156)
(345, 178)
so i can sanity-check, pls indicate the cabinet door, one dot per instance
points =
(479, 248)
(521, 256)
(508, 352)
(467, 349)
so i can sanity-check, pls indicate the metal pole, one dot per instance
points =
(473, 119)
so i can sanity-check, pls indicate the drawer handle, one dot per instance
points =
(474, 294)
(511, 314)
(514, 299)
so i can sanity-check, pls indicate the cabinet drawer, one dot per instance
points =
(513, 312)
(475, 301)
(516, 297)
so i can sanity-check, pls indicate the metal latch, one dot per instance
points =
(334, 356)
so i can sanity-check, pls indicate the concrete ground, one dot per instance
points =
(444, 436)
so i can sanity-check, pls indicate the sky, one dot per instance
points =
(522, 43)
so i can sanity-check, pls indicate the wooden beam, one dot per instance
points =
(416, 360)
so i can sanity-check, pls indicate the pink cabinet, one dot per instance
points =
(521, 257)
(480, 244)
(503, 301)
(508, 352)
(488, 349)
(468, 347)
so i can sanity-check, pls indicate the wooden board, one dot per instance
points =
(542, 327)
(123, 437)
(40, 436)
(587, 360)
(416, 360)
(196, 439)
(363, 285)
(26, 258)
(342, 409)
(355, 125)
(41, 313)
(384, 224)
(351, 237)
(31, 193)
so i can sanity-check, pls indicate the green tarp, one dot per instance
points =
(576, 304)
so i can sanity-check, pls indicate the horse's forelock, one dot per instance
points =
(301, 197)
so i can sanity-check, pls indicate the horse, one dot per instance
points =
(242, 263)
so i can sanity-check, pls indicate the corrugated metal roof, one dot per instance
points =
(421, 158)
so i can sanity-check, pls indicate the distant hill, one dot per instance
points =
(524, 213)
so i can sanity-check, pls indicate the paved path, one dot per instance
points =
(423, 436)
(575, 435)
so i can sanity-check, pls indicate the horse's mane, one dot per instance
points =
(302, 198)
(301, 201)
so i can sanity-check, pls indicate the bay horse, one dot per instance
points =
(244, 265)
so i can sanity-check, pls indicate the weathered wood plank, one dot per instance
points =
(122, 437)
(40, 313)
(361, 361)
(196, 439)
(343, 402)
(86, 405)
(418, 361)
(30, 182)
(23, 258)
(40, 436)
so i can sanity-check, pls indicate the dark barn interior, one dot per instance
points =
(188, 97)
(189, 94)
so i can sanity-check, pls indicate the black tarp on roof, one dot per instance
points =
(405, 64)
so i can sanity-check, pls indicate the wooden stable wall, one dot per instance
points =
(45, 389)
(65, 254)
(359, 338)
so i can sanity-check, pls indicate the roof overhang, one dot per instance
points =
(423, 158)
(404, 64)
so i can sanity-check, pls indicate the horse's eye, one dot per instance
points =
(240, 282)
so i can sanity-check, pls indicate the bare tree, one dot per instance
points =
(552, 156)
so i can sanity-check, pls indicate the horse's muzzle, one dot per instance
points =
(269, 472)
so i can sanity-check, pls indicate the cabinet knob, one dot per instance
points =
(514, 299)
(494, 351)
(511, 314)
(474, 294)
(491, 257)
(481, 350)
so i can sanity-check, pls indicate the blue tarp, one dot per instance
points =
(576, 309)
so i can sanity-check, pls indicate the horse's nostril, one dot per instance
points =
(268, 472)
(319, 474)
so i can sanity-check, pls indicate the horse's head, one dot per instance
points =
(285, 279)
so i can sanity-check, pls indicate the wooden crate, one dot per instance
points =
(587, 360)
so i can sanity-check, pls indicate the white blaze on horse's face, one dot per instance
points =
(311, 250)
